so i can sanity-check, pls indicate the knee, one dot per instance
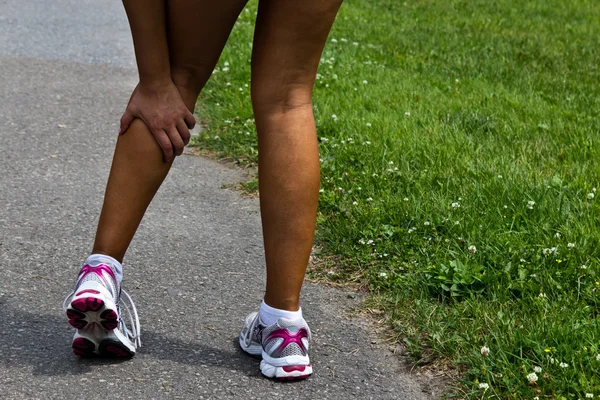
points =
(273, 98)
(189, 80)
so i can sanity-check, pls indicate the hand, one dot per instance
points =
(161, 108)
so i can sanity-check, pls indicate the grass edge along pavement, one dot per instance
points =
(459, 154)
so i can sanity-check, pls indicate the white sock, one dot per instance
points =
(97, 259)
(269, 315)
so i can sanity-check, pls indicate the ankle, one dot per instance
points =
(287, 304)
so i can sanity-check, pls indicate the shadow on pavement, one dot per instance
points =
(44, 343)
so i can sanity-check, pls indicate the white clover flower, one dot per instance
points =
(532, 377)
(370, 241)
(563, 365)
(589, 395)
(484, 386)
(383, 275)
(349, 140)
(321, 190)
(456, 222)
(355, 203)
(571, 245)
(536, 398)
(557, 235)
(343, 39)
(499, 176)
(368, 124)
(333, 40)
(365, 82)
(355, 43)
(594, 190)
(390, 162)
(225, 69)
(217, 138)
(361, 241)
(530, 204)
(334, 117)
(472, 249)
(549, 251)
(542, 295)
(505, 206)
(359, 188)
(226, 63)
(426, 223)
(407, 114)
(375, 175)
(369, 199)
(537, 369)
(324, 140)
(406, 199)
(583, 267)
(590, 196)
(455, 205)
(552, 360)
(598, 357)
(367, 143)
(485, 350)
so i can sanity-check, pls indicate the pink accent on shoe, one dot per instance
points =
(98, 270)
(110, 319)
(117, 351)
(87, 304)
(292, 368)
(289, 338)
(92, 291)
(83, 347)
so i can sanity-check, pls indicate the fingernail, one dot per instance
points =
(119, 131)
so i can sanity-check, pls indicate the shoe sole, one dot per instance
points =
(85, 312)
(286, 373)
(283, 373)
(94, 318)
(108, 348)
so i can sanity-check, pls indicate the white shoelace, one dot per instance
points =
(134, 320)
(250, 332)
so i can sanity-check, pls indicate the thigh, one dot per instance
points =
(288, 42)
(197, 31)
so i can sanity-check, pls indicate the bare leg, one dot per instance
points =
(288, 42)
(197, 33)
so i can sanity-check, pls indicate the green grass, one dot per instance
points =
(450, 118)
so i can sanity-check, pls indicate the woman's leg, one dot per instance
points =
(288, 42)
(197, 33)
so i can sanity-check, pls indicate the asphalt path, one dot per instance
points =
(195, 268)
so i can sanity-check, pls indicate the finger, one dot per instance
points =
(184, 132)
(165, 144)
(189, 119)
(176, 141)
(126, 120)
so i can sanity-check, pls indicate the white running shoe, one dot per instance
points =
(283, 346)
(94, 310)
